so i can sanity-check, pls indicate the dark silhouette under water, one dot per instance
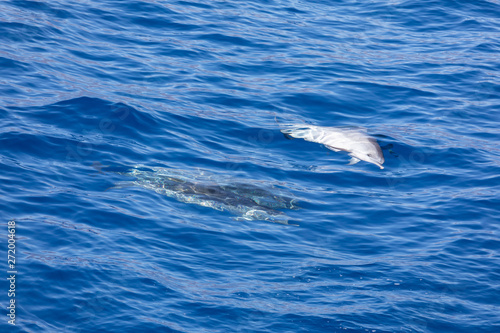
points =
(248, 201)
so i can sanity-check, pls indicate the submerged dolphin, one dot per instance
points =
(248, 201)
(355, 141)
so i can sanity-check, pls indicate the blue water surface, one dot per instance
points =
(91, 89)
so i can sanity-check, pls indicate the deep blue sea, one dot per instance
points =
(123, 124)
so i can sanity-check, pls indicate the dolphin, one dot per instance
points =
(354, 141)
(246, 200)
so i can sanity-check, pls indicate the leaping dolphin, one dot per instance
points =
(355, 141)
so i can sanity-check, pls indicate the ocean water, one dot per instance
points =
(98, 97)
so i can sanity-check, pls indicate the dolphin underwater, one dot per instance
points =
(246, 200)
(354, 141)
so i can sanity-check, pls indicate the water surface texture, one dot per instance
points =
(91, 89)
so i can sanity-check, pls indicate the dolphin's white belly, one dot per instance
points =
(352, 140)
